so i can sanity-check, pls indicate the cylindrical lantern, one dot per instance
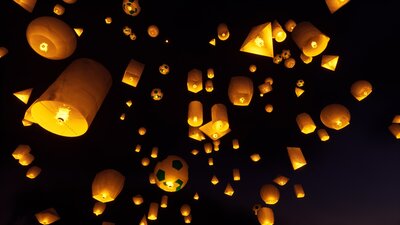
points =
(306, 59)
(28, 5)
(51, 38)
(47, 216)
(152, 178)
(269, 194)
(195, 114)
(281, 180)
(296, 157)
(194, 81)
(154, 152)
(153, 211)
(33, 172)
(229, 190)
(3, 52)
(164, 201)
(335, 116)
(240, 90)
(69, 105)
(137, 199)
(290, 25)
(236, 174)
(265, 216)
(299, 191)
(305, 123)
(219, 117)
(153, 31)
(361, 89)
(209, 86)
(99, 208)
(26, 159)
(210, 73)
(309, 39)
(145, 161)
(235, 143)
(223, 32)
(172, 173)
(323, 134)
(277, 32)
(210, 161)
(20, 151)
(107, 185)
(185, 209)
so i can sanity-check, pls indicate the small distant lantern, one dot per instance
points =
(252, 68)
(296, 157)
(131, 7)
(152, 178)
(153, 211)
(99, 208)
(78, 31)
(107, 185)
(269, 108)
(334, 5)
(164, 69)
(269, 80)
(289, 63)
(236, 174)
(156, 94)
(259, 41)
(229, 190)
(196, 134)
(47, 216)
(132, 36)
(235, 143)
(145, 161)
(240, 90)
(28, 5)
(300, 83)
(122, 116)
(194, 81)
(329, 62)
(20, 151)
(264, 88)
(188, 218)
(153, 31)
(277, 32)
(133, 73)
(309, 39)
(108, 20)
(59, 9)
(194, 152)
(210, 73)
(172, 173)
(129, 103)
(265, 216)
(269, 194)
(137, 199)
(127, 30)
(395, 130)
(396, 119)
(164, 201)
(323, 134)
(277, 58)
(51, 38)
(335, 116)
(255, 157)
(306, 59)
(154, 152)
(3, 52)
(26, 159)
(281, 180)
(214, 180)
(361, 89)
(143, 221)
(196, 196)
(69, 1)
(207, 148)
(142, 131)
(305, 123)
(210, 161)
(185, 209)
(299, 191)
(33, 172)
(223, 32)
(209, 86)
(286, 54)
(138, 148)
(195, 114)
(290, 25)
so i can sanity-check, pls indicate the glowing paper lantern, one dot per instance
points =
(305, 123)
(240, 90)
(223, 32)
(69, 1)
(277, 32)
(108, 20)
(361, 89)
(20, 151)
(153, 211)
(51, 37)
(235, 143)
(236, 174)
(298, 91)
(164, 201)
(269, 108)
(281, 180)
(212, 42)
(264, 88)
(142, 131)
(269, 194)
(296, 157)
(208, 148)
(289, 63)
(107, 185)
(259, 41)
(265, 216)
(69, 105)
(210, 73)
(185, 209)
(210, 130)
(172, 173)
(335, 5)
(299, 191)
(154, 152)
(194, 81)
(3, 52)
(196, 134)
(153, 31)
(329, 62)
(145, 161)
(196, 196)
(195, 114)
(290, 25)
(156, 94)
(99, 208)
(137, 199)
(229, 190)
(210, 161)
(188, 218)
(335, 116)
(28, 5)
(33, 172)
(26, 159)
(163, 69)
(78, 31)
(323, 134)
(219, 117)
(133, 73)
(214, 180)
(309, 39)
(47, 216)
(152, 178)
(396, 119)
(209, 86)
(194, 152)
(131, 7)
(255, 157)
(306, 59)
(58, 9)
(395, 130)
(143, 221)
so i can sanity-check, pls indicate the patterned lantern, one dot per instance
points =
(171, 173)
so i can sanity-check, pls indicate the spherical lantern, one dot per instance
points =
(131, 7)
(153, 31)
(157, 94)
(265, 216)
(269, 194)
(164, 69)
(107, 184)
(172, 173)
(361, 89)
(335, 116)
(51, 38)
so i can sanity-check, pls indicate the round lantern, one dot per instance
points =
(153, 31)
(172, 173)
(51, 38)
(131, 7)
(269, 194)
(164, 69)
(335, 116)
(265, 216)
(156, 94)
(361, 89)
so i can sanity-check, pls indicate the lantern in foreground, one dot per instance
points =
(361, 89)
(172, 173)
(329, 62)
(33, 172)
(99, 208)
(28, 5)
(51, 38)
(296, 157)
(153, 31)
(269, 194)
(305, 123)
(335, 116)
(69, 105)
(259, 41)
(195, 114)
(131, 7)
(334, 5)
(47, 216)
(265, 216)
(309, 39)
(223, 32)
(133, 73)
(107, 185)
(240, 90)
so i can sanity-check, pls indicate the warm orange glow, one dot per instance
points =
(296, 157)
(164, 201)
(290, 25)
(137, 199)
(255, 157)
(265, 216)
(33, 172)
(229, 190)
(58, 9)
(3, 52)
(194, 81)
(131, 7)
(240, 90)
(20, 151)
(47, 216)
(259, 41)
(172, 173)
(269, 194)
(309, 39)
(299, 191)
(26, 159)
(107, 185)
(185, 209)
(395, 130)
(329, 62)
(153, 31)
(277, 32)
(219, 117)
(236, 174)
(360, 89)
(214, 180)
(305, 123)
(223, 32)
(153, 211)
(335, 5)
(99, 208)
(133, 73)
(335, 116)
(281, 180)
(323, 134)
(195, 114)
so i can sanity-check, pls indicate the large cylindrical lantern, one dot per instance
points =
(305, 123)
(269, 194)
(172, 173)
(51, 38)
(335, 116)
(265, 216)
(240, 90)
(361, 89)
(296, 157)
(219, 117)
(69, 105)
(309, 39)
(195, 114)
(107, 185)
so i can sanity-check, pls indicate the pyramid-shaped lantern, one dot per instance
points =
(335, 5)
(259, 41)
(329, 62)
(28, 5)
(24, 95)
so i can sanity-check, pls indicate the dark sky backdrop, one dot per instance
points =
(352, 179)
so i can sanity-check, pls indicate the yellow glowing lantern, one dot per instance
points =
(145, 161)
(214, 180)
(154, 152)
(207, 148)
(252, 68)
(58, 9)
(196, 134)
(210, 161)
(51, 38)
(236, 174)
(69, 105)
(335, 5)
(209, 86)
(107, 184)
(194, 152)
(122, 116)
(259, 41)
(172, 173)
(264, 88)
(269, 80)
(99, 208)
(255, 157)
(240, 90)
(47, 216)
(223, 32)
(323, 134)
(153, 211)
(210, 129)
(306, 59)
(277, 59)
(196, 196)
(163, 69)
(396, 119)
(3, 52)
(229, 190)
(309, 39)
(156, 94)
(235, 143)
(265, 216)
(185, 210)
(300, 83)
(108, 20)
(127, 30)
(212, 42)
(142, 131)
(143, 221)
(361, 89)
(269, 194)
(153, 31)
(69, 1)
(305, 123)
(164, 201)
(137, 199)
(395, 130)
(296, 157)
(210, 73)
(133, 73)
(216, 144)
(138, 148)
(298, 91)
(219, 117)
(20, 151)
(188, 218)
(131, 7)
(132, 36)
(335, 116)
(28, 5)
(152, 178)
(281, 180)
(195, 81)
(277, 32)
(286, 54)
(26, 159)
(289, 63)
(78, 31)
(33, 172)
(269, 108)
(329, 62)
(290, 25)
(195, 114)
(299, 191)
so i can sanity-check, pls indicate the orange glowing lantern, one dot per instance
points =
(47, 216)
(240, 90)
(265, 216)
(3, 52)
(99, 208)
(33, 172)
(329, 62)
(20, 151)
(309, 39)
(305, 123)
(269, 194)
(195, 114)
(185, 209)
(229, 190)
(299, 191)
(153, 31)
(361, 89)
(335, 116)
(323, 134)
(335, 5)
(219, 117)
(131, 7)
(58, 9)
(133, 73)
(137, 199)
(296, 157)
(281, 180)
(153, 211)
(107, 185)
(259, 41)
(223, 32)
(172, 173)
(28, 5)
(195, 81)
(277, 32)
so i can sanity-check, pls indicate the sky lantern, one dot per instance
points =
(107, 185)
(265, 216)
(335, 5)
(360, 89)
(229, 190)
(209, 86)
(335, 116)
(137, 199)
(305, 123)
(20, 151)
(133, 73)
(195, 114)
(214, 180)
(28, 5)
(172, 173)
(164, 201)
(299, 191)
(188, 218)
(219, 117)
(98, 208)
(24, 95)
(323, 134)
(236, 174)
(259, 41)
(396, 119)
(3, 52)
(78, 31)
(185, 209)
(395, 130)
(296, 157)
(51, 38)
(153, 211)
(153, 31)
(223, 32)
(269, 194)
(196, 134)
(214, 130)
(58, 9)
(290, 25)
(33, 172)
(195, 81)
(306, 59)
(69, 105)
(143, 221)
(47, 216)
(210, 73)
(108, 20)
(309, 39)
(277, 32)
(240, 90)
(131, 7)
(26, 159)
(70, 1)
(281, 180)
(329, 62)
(235, 143)
(255, 157)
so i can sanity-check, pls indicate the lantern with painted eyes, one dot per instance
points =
(157, 94)
(131, 7)
(300, 83)
(127, 30)
(164, 69)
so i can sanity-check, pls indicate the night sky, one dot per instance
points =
(351, 179)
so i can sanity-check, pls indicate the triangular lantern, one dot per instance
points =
(329, 62)
(78, 31)
(259, 41)
(212, 42)
(335, 5)
(298, 91)
(24, 95)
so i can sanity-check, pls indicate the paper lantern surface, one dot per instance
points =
(172, 173)
(107, 184)
(259, 41)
